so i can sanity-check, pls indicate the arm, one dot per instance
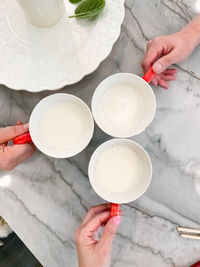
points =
(166, 50)
(193, 30)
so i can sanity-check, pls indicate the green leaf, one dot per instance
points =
(89, 8)
(74, 1)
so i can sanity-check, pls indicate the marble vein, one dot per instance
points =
(175, 12)
(131, 40)
(191, 73)
(59, 172)
(13, 195)
(136, 20)
(148, 248)
(151, 215)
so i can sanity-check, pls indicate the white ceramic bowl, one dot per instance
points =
(144, 100)
(133, 192)
(34, 126)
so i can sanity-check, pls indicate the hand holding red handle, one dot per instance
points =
(22, 139)
(149, 75)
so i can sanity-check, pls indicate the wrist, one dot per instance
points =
(192, 35)
(192, 31)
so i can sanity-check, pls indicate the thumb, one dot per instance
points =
(110, 231)
(164, 62)
(10, 132)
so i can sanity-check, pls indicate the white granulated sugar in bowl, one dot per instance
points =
(120, 108)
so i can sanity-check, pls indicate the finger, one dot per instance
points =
(93, 224)
(95, 210)
(2, 146)
(164, 62)
(19, 123)
(16, 154)
(163, 84)
(154, 50)
(10, 132)
(120, 213)
(170, 71)
(155, 80)
(110, 232)
(168, 77)
(154, 83)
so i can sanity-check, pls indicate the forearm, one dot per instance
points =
(192, 30)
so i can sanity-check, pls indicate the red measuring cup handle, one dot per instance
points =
(22, 139)
(149, 75)
(197, 264)
(114, 210)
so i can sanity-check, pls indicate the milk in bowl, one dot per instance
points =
(120, 170)
(61, 125)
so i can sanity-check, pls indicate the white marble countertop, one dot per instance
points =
(47, 198)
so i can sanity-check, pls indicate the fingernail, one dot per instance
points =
(117, 220)
(158, 68)
(26, 126)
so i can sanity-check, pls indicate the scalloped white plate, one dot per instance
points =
(37, 59)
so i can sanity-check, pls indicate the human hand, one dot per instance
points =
(11, 156)
(164, 51)
(91, 251)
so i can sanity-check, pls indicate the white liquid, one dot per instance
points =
(120, 108)
(64, 125)
(119, 169)
(43, 12)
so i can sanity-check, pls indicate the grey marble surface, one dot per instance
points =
(47, 198)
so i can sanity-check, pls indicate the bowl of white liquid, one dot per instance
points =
(120, 171)
(61, 126)
(123, 105)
